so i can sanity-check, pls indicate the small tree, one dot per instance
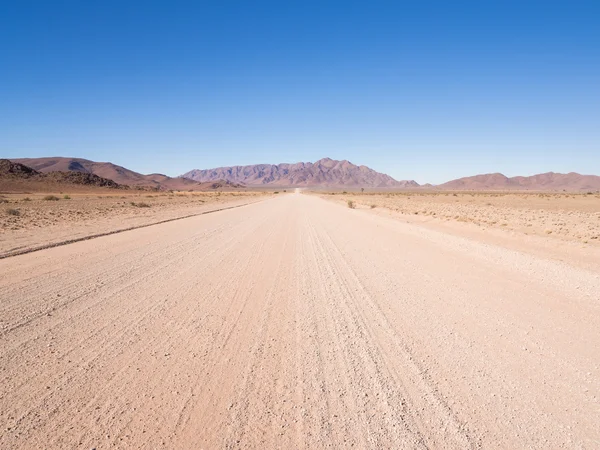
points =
(362, 190)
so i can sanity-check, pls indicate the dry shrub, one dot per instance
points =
(140, 205)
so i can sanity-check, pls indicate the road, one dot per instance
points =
(296, 323)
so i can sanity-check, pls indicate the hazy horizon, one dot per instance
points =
(426, 92)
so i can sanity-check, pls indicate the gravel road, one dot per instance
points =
(296, 323)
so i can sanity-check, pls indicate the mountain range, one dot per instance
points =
(16, 176)
(119, 174)
(545, 181)
(108, 170)
(325, 172)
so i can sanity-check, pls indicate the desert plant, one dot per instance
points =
(373, 206)
(276, 192)
(13, 212)
(351, 204)
(53, 198)
(66, 197)
(26, 199)
(140, 205)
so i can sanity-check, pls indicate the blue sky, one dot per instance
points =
(425, 90)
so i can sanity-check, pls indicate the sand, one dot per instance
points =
(295, 322)
(40, 222)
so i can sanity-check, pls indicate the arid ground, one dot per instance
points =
(293, 321)
(30, 221)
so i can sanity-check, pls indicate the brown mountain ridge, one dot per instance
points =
(549, 181)
(15, 177)
(119, 174)
(324, 172)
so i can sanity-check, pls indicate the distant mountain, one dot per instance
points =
(110, 171)
(324, 172)
(15, 175)
(541, 182)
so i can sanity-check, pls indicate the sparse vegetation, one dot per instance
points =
(13, 212)
(373, 206)
(26, 199)
(140, 204)
(351, 204)
(52, 198)
(66, 197)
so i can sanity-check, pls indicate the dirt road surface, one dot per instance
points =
(296, 323)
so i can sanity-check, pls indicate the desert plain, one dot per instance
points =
(300, 320)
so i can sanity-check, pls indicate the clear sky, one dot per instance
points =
(425, 90)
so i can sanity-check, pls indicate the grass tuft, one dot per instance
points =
(52, 198)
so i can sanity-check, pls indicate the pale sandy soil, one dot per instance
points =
(41, 222)
(573, 217)
(297, 323)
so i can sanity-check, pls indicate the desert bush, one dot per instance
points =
(351, 204)
(26, 199)
(373, 206)
(67, 197)
(53, 198)
(140, 204)
(276, 192)
(13, 212)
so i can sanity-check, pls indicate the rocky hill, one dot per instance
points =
(15, 175)
(110, 171)
(541, 182)
(324, 172)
